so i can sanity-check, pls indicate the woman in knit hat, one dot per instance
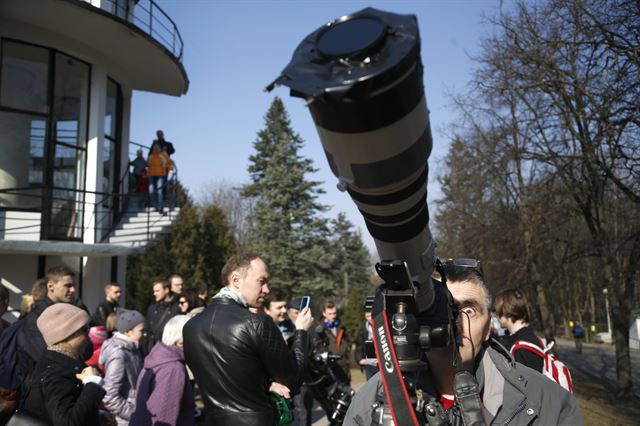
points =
(64, 391)
(122, 362)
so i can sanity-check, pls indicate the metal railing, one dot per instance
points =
(150, 18)
(65, 214)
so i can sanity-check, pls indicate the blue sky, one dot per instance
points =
(233, 49)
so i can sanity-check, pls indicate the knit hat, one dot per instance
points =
(97, 335)
(127, 319)
(60, 321)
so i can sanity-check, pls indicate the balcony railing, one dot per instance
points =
(150, 18)
(66, 207)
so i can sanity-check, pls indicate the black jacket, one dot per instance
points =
(234, 356)
(158, 314)
(58, 397)
(525, 356)
(103, 310)
(31, 345)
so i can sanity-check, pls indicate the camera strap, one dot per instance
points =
(395, 390)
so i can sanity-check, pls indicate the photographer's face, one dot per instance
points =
(473, 325)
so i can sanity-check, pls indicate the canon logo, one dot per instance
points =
(386, 352)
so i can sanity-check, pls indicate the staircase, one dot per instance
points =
(139, 228)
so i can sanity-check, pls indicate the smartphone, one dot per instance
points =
(305, 302)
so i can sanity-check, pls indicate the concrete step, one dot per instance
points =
(140, 230)
(164, 221)
(134, 239)
(145, 215)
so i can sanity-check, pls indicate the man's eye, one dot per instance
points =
(468, 311)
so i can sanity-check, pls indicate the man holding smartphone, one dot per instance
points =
(235, 354)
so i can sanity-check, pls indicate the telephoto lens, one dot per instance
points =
(361, 76)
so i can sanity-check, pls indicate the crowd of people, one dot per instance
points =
(246, 347)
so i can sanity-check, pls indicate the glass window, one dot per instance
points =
(66, 203)
(111, 143)
(110, 116)
(43, 138)
(22, 139)
(70, 100)
(24, 76)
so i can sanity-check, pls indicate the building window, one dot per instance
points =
(44, 109)
(111, 148)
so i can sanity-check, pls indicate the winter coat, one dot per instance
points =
(361, 351)
(234, 356)
(511, 394)
(339, 344)
(122, 364)
(103, 310)
(164, 394)
(159, 164)
(30, 344)
(525, 356)
(158, 314)
(58, 397)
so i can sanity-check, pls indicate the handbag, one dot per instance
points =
(22, 418)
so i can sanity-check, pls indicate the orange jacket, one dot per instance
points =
(159, 164)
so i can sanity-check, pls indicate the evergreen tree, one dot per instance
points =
(284, 226)
(217, 244)
(197, 247)
(351, 267)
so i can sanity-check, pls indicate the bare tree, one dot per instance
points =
(227, 197)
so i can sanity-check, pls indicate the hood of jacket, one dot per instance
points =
(115, 344)
(163, 354)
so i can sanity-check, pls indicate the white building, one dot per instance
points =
(67, 72)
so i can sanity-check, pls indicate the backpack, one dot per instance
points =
(10, 377)
(553, 368)
(578, 332)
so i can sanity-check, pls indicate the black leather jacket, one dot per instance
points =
(234, 356)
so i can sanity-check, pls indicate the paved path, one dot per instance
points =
(598, 362)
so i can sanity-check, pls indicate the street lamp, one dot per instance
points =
(606, 303)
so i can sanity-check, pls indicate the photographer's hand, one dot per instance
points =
(304, 320)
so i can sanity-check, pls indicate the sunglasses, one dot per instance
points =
(465, 263)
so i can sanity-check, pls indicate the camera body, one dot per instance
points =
(327, 381)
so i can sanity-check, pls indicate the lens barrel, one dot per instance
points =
(362, 78)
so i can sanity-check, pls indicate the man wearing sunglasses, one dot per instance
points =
(510, 392)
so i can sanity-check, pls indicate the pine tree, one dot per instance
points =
(217, 244)
(197, 247)
(351, 266)
(285, 227)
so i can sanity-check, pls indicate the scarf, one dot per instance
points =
(231, 294)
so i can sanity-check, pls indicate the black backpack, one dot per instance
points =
(10, 377)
